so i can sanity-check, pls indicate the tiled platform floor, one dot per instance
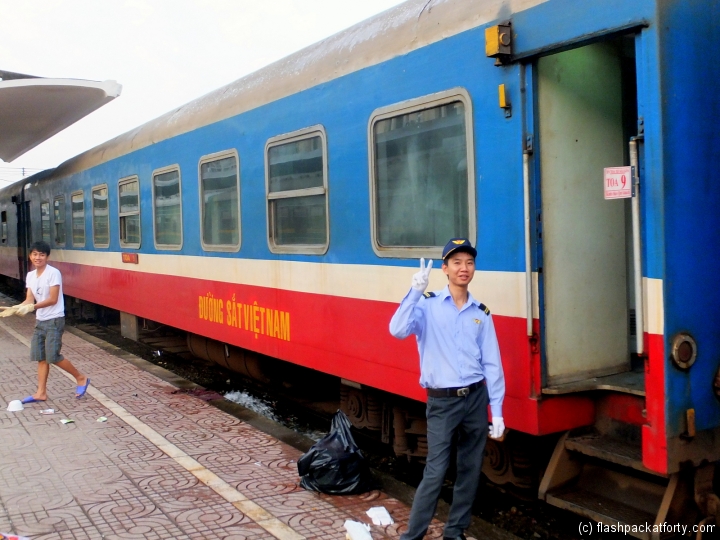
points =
(163, 466)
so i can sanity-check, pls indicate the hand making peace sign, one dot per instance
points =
(420, 279)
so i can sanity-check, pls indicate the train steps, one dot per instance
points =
(603, 478)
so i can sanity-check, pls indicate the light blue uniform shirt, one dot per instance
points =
(457, 346)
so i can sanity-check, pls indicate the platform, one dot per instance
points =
(165, 465)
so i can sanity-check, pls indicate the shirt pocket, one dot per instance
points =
(471, 334)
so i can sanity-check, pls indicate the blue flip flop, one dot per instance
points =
(31, 399)
(80, 391)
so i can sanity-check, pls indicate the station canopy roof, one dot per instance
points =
(33, 109)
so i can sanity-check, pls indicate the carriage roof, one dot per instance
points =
(397, 31)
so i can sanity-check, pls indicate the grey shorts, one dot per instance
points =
(47, 341)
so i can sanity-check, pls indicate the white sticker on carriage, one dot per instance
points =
(618, 182)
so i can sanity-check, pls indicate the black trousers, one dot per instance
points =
(467, 418)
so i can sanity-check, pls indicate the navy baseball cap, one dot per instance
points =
(456, 245)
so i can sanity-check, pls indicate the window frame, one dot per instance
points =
(121, 182)
(286, 138)
(92, 209)
(50, 231)
(72, 228)
(55, 243)
(405, 107)
(216, 156)
(164, 170)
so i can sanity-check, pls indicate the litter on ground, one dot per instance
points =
(380, 516)
(15, 406)
(357, 531)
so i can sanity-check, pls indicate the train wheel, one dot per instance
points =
(510, 462)
(496, 465)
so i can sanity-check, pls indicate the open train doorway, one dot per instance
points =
(24, 236)
(586, 113)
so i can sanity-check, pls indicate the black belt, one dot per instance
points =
(454, 392)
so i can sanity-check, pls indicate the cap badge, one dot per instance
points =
(458, 242)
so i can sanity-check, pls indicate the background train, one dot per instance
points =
(283, 215)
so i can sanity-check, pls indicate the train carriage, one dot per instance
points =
(282, 215)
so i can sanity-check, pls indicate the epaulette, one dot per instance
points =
(429, 294)
(485, 309)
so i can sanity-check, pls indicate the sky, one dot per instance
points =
(164, 53)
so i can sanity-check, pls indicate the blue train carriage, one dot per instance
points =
(284, 213)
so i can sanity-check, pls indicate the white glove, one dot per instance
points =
(8, 311)
(25, 309)
(497, 428)
(421, 278)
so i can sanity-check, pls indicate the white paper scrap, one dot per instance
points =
(380, 516)
(357, 531)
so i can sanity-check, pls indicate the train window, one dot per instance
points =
(422, 174)
(167, 208)
(220, 201)
(101, 217)
(129, 212)
(3, 219)
(77, 209)
(45, 221)
(296, 179)
(59, 217)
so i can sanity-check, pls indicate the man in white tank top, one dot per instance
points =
(45, 297)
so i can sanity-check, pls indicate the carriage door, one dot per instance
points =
(586, 111)
(24, 236)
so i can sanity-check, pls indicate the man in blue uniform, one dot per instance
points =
(461, 371)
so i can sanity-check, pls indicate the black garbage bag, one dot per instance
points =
(335, 464)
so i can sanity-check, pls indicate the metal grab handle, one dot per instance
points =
(528, 258)
(637, 258)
